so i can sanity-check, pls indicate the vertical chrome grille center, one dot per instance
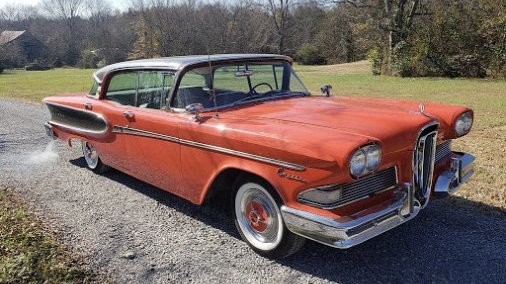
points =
(423, 162)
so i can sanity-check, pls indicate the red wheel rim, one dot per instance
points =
(257, 216)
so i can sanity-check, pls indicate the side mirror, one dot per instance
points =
(326, 90)
(195, 108)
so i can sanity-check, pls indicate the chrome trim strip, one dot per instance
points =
(138, 132)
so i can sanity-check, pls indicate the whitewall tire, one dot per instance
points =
(255, 207)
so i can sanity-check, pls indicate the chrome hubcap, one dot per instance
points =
(258, 216)
(90, 155)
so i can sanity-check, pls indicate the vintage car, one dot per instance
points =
(294, 165)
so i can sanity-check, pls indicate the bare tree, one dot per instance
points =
(396, 16)
(68, 12)
(279, 11)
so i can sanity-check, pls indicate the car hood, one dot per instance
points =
(393, 124)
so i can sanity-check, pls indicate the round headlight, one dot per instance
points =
(463, 124)
(365, 160)
(373, 157)
(358, 163)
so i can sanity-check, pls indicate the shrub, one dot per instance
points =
(310, 54)
(374, 56)
(88, 59)
(407, 61)
(465, 66)
(37, 66)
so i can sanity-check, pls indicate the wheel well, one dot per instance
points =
(221, 187)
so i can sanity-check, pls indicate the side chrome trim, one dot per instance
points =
(138, 132)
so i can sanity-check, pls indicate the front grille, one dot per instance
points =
(423, 162)
(442, 150)
(365, 187)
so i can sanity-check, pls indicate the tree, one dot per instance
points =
(335, 37)
(395, 17)
(279, 11)
(68, 12)
(493, 30)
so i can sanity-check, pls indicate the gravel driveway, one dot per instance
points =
(137, 233)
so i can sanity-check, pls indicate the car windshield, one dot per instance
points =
(236, 84)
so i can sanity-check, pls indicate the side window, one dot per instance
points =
(122, 88)
(150, 90)
(193, 88)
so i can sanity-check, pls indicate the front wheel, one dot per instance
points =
(258, 219)
(92, 159)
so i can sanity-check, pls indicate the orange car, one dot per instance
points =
(337, 170)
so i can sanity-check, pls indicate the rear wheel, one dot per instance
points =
(92, 159)
(258, 219)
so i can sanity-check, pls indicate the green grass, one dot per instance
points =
(36, 85)
(28, 253)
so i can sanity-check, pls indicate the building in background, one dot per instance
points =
(19, 48)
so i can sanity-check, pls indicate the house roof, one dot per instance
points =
(8, 36)
(180, 62)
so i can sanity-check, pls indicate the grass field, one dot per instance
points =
(487, 97)
(29, 253)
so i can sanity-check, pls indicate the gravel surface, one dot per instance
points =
(134, 232)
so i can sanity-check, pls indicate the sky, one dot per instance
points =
(115, 4)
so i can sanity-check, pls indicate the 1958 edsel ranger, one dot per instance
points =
(337, 170)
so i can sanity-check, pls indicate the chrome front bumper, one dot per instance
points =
(462, 168)
(349, 231)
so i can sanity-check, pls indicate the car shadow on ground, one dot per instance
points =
(449, 241)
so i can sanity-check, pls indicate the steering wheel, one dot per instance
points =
(260, 84)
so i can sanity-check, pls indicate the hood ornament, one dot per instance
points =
(422, 111)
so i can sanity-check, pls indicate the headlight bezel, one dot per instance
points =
(371, 152)
(463, 123)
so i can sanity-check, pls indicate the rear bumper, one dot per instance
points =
(49, 130)
(347, 232)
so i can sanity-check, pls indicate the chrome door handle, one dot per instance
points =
(88, 106)
(128, 114)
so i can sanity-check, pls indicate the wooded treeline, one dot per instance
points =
(449, 38)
